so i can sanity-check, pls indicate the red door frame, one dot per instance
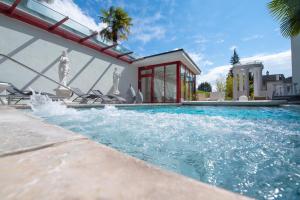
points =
(178, 75)
(178, 100)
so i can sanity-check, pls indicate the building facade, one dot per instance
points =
(295, 46)
(35, 36)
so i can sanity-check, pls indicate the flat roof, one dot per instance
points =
(169, 56)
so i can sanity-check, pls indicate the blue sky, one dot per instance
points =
(207, 29)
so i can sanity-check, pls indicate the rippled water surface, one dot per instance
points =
(252, 151)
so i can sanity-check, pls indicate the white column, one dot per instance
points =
(241, 83)
(257, 81)
(246, 82)
(235, 84)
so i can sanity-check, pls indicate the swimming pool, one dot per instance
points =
(251, 151)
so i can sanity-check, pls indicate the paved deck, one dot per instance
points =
(43, 161)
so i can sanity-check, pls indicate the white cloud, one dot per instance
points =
(252, 37)
(199, 59)
(72, 10)
(276, 63)
(146, 29)
(232, 47)
(220, 41)
(213, 74)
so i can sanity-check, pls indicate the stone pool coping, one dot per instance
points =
(43, 161)
(256, 103)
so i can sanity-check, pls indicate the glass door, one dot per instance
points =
(159, 85)
(146, 84)
(146, 88)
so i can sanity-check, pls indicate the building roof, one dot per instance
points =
(273, 77)
(169, 56)
(276, 77)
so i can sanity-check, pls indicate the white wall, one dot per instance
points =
(41, 50)
(296, 60)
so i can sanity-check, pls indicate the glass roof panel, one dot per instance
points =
(43, 12)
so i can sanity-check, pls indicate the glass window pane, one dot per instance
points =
(182, 75)
(159, 84)
(187, 85)
(41, 11)
(170, 83)
(146, 89)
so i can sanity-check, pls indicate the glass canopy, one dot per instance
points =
(43, 12)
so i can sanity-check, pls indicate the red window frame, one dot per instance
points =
(178, 81)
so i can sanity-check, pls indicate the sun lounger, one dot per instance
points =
(110, 98)
(83, 97)
(94, 97)
(17, 95)
(139, 97)
(131, 94)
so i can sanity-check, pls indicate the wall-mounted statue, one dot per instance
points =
(116, 80)
(64, 68)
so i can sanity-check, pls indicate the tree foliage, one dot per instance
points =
(118, 24)
(234, 58)
(205, 86)
(287, 12)
(229, 87)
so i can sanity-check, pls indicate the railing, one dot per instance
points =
(47, 14)
(36, 72)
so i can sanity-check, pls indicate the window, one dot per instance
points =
(170, 83)
(159, 85)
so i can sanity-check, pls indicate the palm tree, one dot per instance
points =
(288, 13)
(118, 24)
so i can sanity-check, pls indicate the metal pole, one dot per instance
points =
(50, 79)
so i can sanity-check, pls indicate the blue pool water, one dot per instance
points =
(251, 151)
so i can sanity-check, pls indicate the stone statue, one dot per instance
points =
(64, 68)
(116, 80)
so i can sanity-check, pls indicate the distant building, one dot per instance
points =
(276, 85)
(267, 86)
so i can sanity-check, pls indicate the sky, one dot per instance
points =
(208, 30)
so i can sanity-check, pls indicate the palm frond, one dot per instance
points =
(287, 12)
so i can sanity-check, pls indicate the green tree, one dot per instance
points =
(287, 12)
(229, 79)
(229, 86)
(205, 87)
(118, 24)
(234, 58)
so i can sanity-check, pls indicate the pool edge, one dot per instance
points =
(161, 183)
